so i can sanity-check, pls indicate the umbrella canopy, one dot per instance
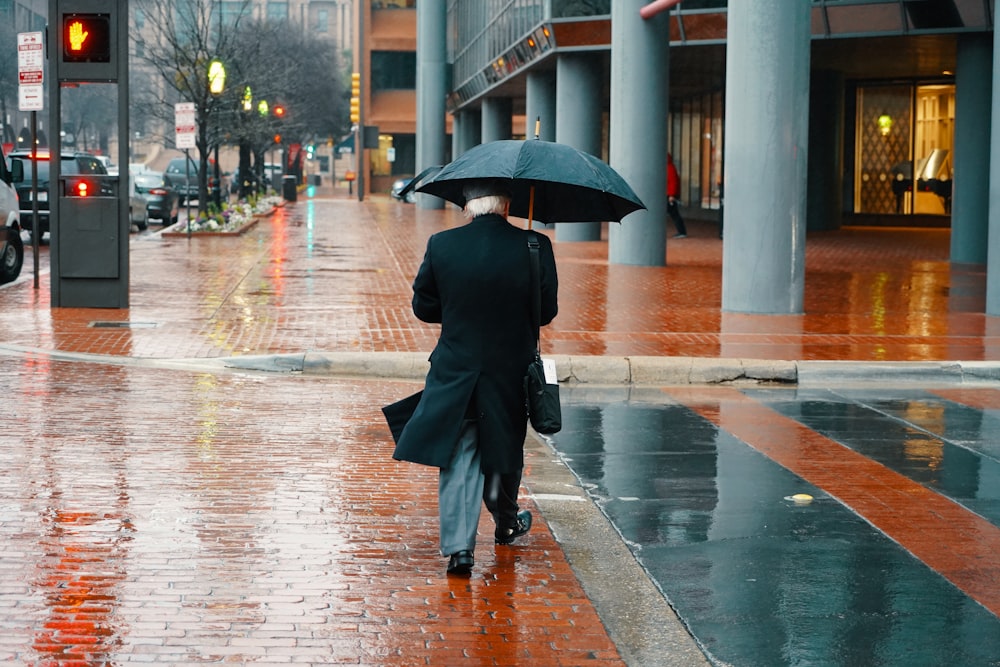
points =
(567, 185)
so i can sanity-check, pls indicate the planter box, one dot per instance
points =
(180, 229)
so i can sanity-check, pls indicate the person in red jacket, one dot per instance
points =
(673, 192)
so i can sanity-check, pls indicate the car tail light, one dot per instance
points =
(159, 192)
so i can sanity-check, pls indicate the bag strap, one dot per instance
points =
(536, 287)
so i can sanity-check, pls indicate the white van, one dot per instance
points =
(11, 246)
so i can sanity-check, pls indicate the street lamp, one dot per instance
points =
(216, 77)
(216, 86)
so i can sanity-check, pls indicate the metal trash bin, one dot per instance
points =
(289, 188)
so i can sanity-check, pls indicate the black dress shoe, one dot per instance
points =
(521, 526)
(461, 562)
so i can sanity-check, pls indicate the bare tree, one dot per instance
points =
(184, 36)
(302, 74)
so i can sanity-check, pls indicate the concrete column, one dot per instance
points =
(767, 128)
(466, 131)
(971, 159)
(540, 104)
(640, 82)
(579, 123)
(432, 70)
(826, 137)
(993, 252)
(497, 117)
(540, 112)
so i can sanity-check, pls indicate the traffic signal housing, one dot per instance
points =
(86, 38)
(355, 97)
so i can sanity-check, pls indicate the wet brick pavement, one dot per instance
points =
(180, 517)
(334, 275)
(189, 516)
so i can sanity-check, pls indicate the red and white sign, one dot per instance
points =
(185, 126)
(30, 70)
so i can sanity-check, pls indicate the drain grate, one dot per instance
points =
(123, 325)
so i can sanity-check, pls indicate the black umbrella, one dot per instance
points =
(549, 182)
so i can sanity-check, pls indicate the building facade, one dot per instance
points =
(888, 96)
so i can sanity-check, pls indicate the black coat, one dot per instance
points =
(475, 281)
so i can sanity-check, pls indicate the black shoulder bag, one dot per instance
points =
(544, 411)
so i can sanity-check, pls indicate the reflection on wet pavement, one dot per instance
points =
(336, 275)
(178, 517)
(878, 569)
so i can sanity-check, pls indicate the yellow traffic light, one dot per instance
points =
(355, 97)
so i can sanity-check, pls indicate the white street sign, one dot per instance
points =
(29, 97)
(185, 125)
(30, 70)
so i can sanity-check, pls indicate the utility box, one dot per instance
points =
(89, 234)
(89, 225)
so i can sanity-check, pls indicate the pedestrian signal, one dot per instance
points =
(86, 38)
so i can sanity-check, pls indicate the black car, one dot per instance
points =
(271, 179)
(71, 164)
(162, 201)
(183, 179)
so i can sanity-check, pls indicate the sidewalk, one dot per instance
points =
(160, 508)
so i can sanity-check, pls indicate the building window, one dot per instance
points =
(140, 18)
(322, 20)
(232, 11)
(394, 70)
(277, 11)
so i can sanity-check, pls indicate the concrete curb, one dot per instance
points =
(646, 370)
(571, 369)
(582, 370)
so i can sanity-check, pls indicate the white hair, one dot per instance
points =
(488, 204)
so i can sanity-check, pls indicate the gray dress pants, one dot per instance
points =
(460, 491)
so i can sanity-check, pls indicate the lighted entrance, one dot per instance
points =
(903, 149)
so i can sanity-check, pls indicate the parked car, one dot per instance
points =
(109, 167)
(137, 213)
(70, 164)
(162, 201)
(271, 172)
(184, 178)
(11, 246)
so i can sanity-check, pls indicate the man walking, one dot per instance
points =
(471, 419)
